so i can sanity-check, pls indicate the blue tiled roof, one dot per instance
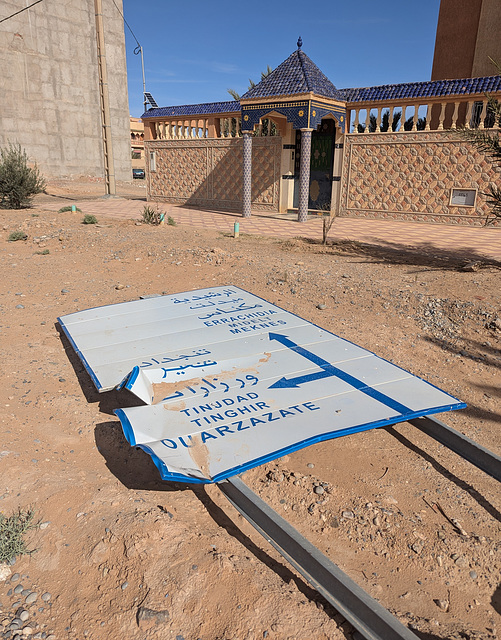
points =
(433, 88)
(296, 75)
(231, 106)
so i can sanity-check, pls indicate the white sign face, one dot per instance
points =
(463, 197)
(231, 381)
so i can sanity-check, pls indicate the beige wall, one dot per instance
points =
(49, 101)
(208, 173)
(410, 176)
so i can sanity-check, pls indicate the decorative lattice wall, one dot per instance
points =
(208, 173)
(410, 176)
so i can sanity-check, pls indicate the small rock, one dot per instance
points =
(417, 547)
(319, 490)
(18, 589)
(349, 515)
(19, 306)
(471, 266)
(442, 604)
(119, 287)
(147, 616)
(33, 597)
(473, 575)
(44, 525)
(63, 291)
(460, 562)
(24, 615)
(321, 306)
(310, 465)
(124, 585)
(46, 596)
(5, 572)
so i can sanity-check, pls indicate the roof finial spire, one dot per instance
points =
(299, 43)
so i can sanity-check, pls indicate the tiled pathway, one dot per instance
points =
(470, 242)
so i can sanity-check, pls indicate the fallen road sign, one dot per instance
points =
(231, 381)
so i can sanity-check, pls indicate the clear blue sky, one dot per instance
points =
(194, 52)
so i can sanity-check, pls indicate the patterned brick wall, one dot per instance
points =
(208, 173)
(410, 176)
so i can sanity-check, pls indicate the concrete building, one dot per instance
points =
(468, 34)
(50, 99)
(137, 142)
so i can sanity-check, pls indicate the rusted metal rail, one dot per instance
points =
(369, 618)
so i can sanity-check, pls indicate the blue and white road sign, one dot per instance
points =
(230, 381)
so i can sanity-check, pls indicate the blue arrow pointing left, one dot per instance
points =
(329, 370)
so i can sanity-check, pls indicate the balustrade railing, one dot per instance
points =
(433, 116)
(211, 127)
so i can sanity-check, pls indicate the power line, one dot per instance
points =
(21, 10)
(137, 49)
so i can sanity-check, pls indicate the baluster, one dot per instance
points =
(390, 119)
(368, 121)
(378, 120)
(441, 118)
(455, 116)
(428, 117)
(415, 117)
(469, 110)
(206, 128)
(483, 114)
(260, 128)
(355, 124)
(402, 119)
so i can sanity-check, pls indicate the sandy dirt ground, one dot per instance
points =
(120, 554)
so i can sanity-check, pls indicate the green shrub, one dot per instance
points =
(152, 215)
(89, 219)
(69, 208)
(43, 252)
(171, 221)
(17, 235)
(12, 531)
(18, 182)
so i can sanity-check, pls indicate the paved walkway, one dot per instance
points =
(468, 242)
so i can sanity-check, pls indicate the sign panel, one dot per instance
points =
(230, 381)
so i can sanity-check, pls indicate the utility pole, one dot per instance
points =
(109, 165)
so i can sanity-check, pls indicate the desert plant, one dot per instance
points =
(12, 532)
(89, 219)
(69, 208)
(328, 221)
(152, 215)
(18, 182)
(488, 141)
(171, 221)
(17, 235)
(43, 252)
